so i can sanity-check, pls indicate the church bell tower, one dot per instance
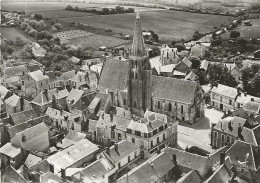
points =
(140, 73)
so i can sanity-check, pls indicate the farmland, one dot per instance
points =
(96, 41)
(63, 14)
(166, 23)
(11, 34)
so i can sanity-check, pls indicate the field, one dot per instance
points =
(11, 33)
(166, 23)
(63, 14)
(96, 41)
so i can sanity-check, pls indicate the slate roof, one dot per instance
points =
(238, 152)
(204, 65)
(220, 175)
(74, 96)
(187, 62)
(51, 75)
(72, 154)
(173, 89)
(3, 91)
(9, 174)
(67, 75)
(253, 107)
(125, 148)
(167, 68)
(38, 75)
(71, 138)
(96, 170)
(151, 170)
(189, 160)
(189, 177)
(224, 125)
(53, 178)
(23, 116)
(42, 99)
(252, 136)
(225, 90)
(10, 150)
(32, 160)
(191, 76)
(12, 100)
(61, 94)
(114, 75)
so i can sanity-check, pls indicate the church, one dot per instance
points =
(131, 85)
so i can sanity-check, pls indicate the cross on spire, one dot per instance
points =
(138, 48)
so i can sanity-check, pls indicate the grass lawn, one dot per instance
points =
(63, 14)
(11, 33)
(167, 24)
(96, 41)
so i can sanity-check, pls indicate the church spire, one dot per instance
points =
(138, 48)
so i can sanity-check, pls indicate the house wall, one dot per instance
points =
(217, 101)
(14, 109)
(220, 139)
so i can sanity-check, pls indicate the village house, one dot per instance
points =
(184, 65)
(33, 83)
(198, 50)
(167, 70)
(21, 117)
(75, 156)
(11, 155)
(123, 155)
(234, 71)
(226, 98)
(41, 102)
(15, 104)
(70, 139)
(59, 99)
(152, 133)
(74, 99)
(33, 138)
(168, 55)
(159, 168)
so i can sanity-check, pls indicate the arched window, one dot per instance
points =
(136, 76)
(170, 107)
(136, 63)
(159, 104)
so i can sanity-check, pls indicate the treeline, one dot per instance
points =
(103, 11)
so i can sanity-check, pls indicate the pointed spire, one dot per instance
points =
(138, 48)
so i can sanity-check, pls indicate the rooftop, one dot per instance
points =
(38, 75)
(10, 150)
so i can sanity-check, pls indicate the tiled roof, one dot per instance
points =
(249, 136)
(38, 75)
(42, 166)
(23, 116)
(238, 153)
(67, 75)
(125, 148)
(173, 89)
(42, 99)
(187, 62)
(74, 96)
(71, 138)
(114, 75)
(221, 174)
(79, 77)
(225, 90)
(72, 154)
(56, 114)
(9, 174)
(230, 125)
(10, 150)
(189, 177)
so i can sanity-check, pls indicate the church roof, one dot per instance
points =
(173, 89)
(114, 75)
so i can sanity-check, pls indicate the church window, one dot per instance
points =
(159, 105)
(182, 109)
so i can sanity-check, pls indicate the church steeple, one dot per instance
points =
(138, 48)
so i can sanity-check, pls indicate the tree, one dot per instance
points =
(76, 9)
(155, 37)
(179, 46)
(44, 34)
(37, 16)
(234, 34)
(24, 25)
(33, 33)
(119, 9)
(69, 8)
(58, 26)
(40, 26)
(196, 35)
(219, 73)
(195, 62)
(18, 39)
(105, 11)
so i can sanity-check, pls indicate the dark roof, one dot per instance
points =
(125, 148)
(114, 75)
(9, 174)
(42, 99)
(189, 177)
(253, 107)
(173, 89)
(42, 166)
(230, 125)
(150, 171)
(20, 127)
(240, 150)
(220, 175)
(21, 117)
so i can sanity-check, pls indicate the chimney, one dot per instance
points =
(174, 158)
(252, 99)
(51, 168)
(63, 173)
(22, 103)
(116, 147)
(108, 151)
(222, 158)
(245, 93)
(46, 93)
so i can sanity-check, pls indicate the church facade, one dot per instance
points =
(131, 85)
